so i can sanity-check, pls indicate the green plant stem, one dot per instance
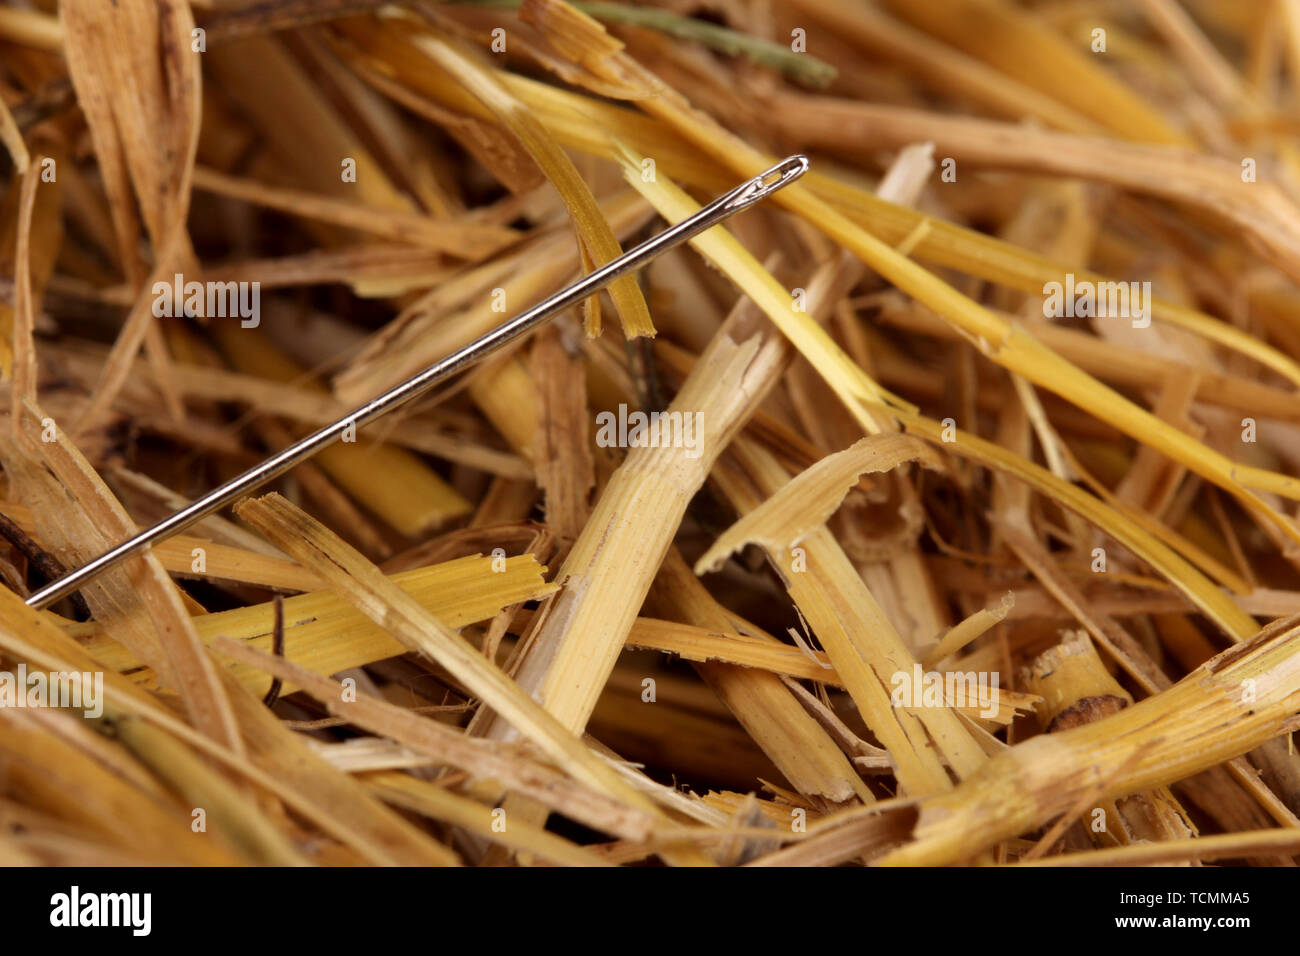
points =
(801, 67)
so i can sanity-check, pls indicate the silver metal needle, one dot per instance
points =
(744, 195)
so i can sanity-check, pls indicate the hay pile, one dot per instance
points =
(964, 532)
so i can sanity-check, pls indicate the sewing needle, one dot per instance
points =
(743, 196)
